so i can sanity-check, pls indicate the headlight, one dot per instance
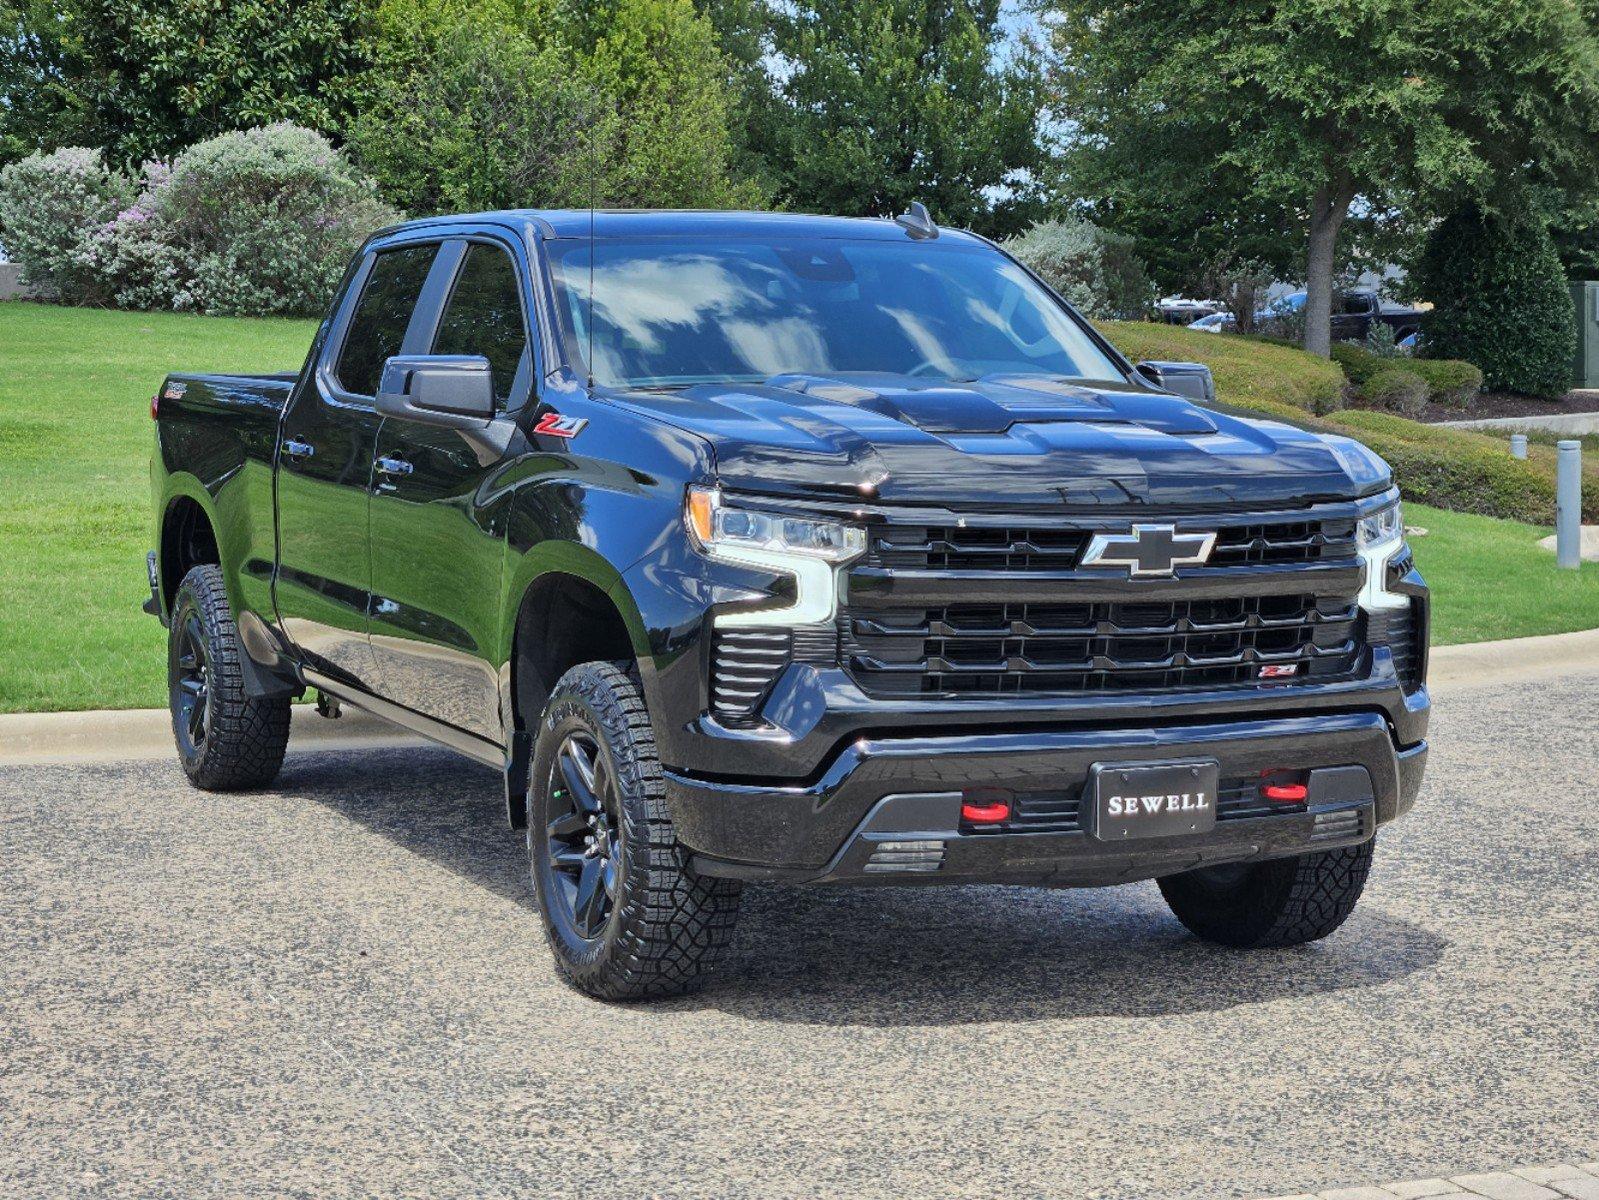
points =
(717, 525)
(809, 549)
(1384, 525)
(1378, 538)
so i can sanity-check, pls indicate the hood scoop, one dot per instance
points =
(993, 404)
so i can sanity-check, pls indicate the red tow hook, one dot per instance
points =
(1284, 787)
(990, 813)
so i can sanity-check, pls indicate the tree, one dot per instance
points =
(513, 104)
(144, 78)
(870, 104)
(1296, 111)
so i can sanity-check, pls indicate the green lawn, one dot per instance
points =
(75, 438)
(75, 386)
(1490, 579)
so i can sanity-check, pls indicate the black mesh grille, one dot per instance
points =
(744, 665)
(1396, 628)
(1002, 649)
(984, 548)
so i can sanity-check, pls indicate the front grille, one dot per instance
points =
(744, 665)
(1030, 648)
(1025, 548)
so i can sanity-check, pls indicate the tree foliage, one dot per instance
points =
(1502, 301)
(1246, 117)
(144, 78)
(861, 106)
(1095, 270)
(507, 105)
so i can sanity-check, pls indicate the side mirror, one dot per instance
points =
(452, 390)
(1189, 379)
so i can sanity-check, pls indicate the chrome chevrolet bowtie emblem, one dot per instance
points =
(1149, 550)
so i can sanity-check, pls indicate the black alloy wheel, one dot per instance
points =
(189, 680)
(583, 834)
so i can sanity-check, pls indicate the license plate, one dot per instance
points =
(1138, 800)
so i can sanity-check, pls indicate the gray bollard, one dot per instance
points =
(1518, 445)
(1568, 505)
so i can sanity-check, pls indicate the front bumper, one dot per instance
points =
(887, 810)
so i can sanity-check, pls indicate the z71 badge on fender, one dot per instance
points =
(555, 425)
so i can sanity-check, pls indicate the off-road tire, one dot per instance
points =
(1283, 902)
(243, 737)
(667, 926)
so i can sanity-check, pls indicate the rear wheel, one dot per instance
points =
(625, 914)
(1284, 902)
(227, 740)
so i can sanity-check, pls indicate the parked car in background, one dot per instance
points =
(1356, 310)
(1222, 322)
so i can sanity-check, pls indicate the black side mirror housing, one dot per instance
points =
(452, 390)
(1189, 379)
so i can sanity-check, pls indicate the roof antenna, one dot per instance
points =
(917, 223)
(594, 171)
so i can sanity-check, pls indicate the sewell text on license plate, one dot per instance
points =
(1159, 799)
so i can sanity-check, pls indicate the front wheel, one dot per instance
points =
(226, 738)
(625, 914)
(1283, 902)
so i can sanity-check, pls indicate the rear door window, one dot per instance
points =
(484, 316)
(377, 329)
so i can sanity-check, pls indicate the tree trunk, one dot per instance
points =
(1328, 207)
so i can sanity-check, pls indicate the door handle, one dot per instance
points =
(393, 466)
(295, 448)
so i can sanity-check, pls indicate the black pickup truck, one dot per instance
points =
(776, 548)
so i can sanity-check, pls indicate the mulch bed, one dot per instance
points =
(1497, 404)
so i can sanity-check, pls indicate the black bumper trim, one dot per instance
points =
(796, 832)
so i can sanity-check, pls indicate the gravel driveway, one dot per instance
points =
(338, 988)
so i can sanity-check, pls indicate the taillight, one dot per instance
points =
(155, 407)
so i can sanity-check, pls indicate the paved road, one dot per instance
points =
(338, 989)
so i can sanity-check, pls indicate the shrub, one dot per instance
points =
(1248, 370)
(1359, 364)
(1466, 471)
(250, 224)
(49, 206)
(267, 219)
(1500, 301)
(1396, 389)
(1449, 381)
(1095, 270)
(1382, 341)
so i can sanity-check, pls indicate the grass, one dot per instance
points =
(75, 439)
(75, 516)
(1490, 579)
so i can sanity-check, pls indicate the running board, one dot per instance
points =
(490, 754)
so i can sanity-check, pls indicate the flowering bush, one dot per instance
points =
(49, 205)
(1094, 269)
(251, 223)
(268, 219)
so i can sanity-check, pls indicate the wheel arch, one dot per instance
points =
(573, 611)
(187, 539)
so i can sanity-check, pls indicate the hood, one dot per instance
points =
(1005, 440)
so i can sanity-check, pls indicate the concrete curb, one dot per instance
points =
(120, 734)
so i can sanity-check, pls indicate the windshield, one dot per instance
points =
(679, 311)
